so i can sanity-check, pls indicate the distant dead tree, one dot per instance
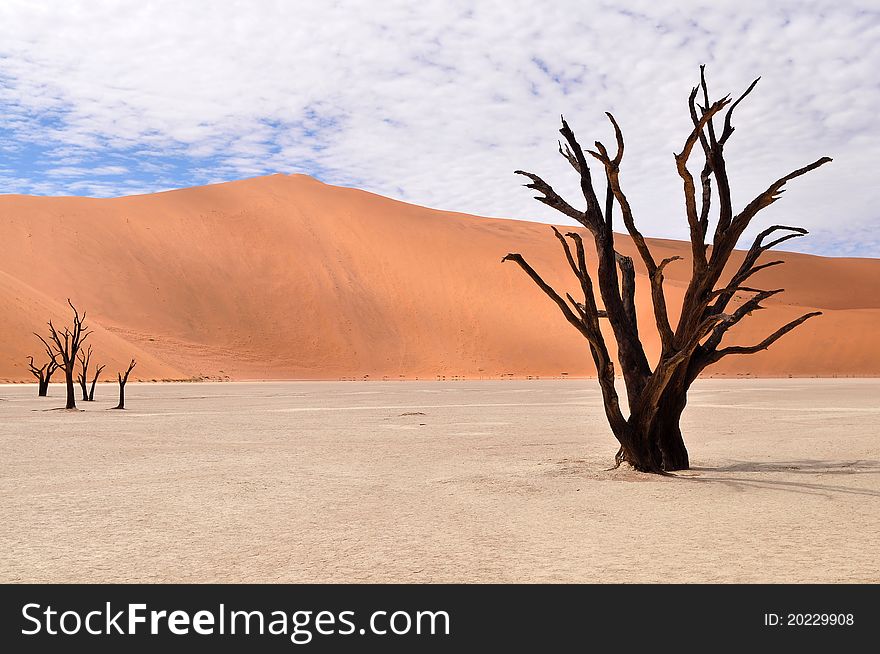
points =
(88, 391)
(650, 437)
(123, 379)
(66, 345)
(43, 374)
(98, 370)
(84, 358)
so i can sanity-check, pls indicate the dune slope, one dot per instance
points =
(283, 277)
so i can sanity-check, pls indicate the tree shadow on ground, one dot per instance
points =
(811, 467)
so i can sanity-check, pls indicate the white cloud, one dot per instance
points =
(438, 102)
(74, 171)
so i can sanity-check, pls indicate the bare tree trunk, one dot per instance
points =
(642, 452)
(43, 388)
(71, 393)
(121, 404)
(94, 382)
(667, 431)
(84, 387)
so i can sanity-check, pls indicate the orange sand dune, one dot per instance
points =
(284, 277)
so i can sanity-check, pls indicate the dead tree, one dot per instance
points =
(65, 345)
(650, 436)
(98, 370)
(43, 374)
(123, 379)
(84, 358)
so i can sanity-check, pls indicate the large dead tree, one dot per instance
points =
(650, 436)
(123, 379)
(65, 345)
(43, 374)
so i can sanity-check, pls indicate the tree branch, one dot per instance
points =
(705, 174)
(598, 349)
(634, 363)
(715, 159)
(768, 197)
(767, 342)
(552, 199)
(658, 299)
(569, 156)
(586, 281)
(698, 245)
(588, 308)
(124, 378)
(612, 175)
(574, 320)
(36, 372)
(50, 349)
(748, 268)
(728, 128)
(628, 289)
(593, 212)
(752, 304)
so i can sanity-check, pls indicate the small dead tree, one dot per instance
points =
(43, 374)
(123, 379)
(84, 358)
(65, 345)
(98, 370)
(650, 437)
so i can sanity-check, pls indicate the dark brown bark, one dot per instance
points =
(71, 395)
(84, 358)
(64, 345)
(98, 370)
(650, 437)
(667, 425)
(123, 379)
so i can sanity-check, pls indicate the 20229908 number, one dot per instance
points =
(819, 619)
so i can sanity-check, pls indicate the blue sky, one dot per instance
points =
(438, 102)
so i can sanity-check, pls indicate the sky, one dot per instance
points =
(436, 103)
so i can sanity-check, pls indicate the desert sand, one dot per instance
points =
(283, 277)
(436, 481)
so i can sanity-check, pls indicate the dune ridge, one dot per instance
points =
(284, 277)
